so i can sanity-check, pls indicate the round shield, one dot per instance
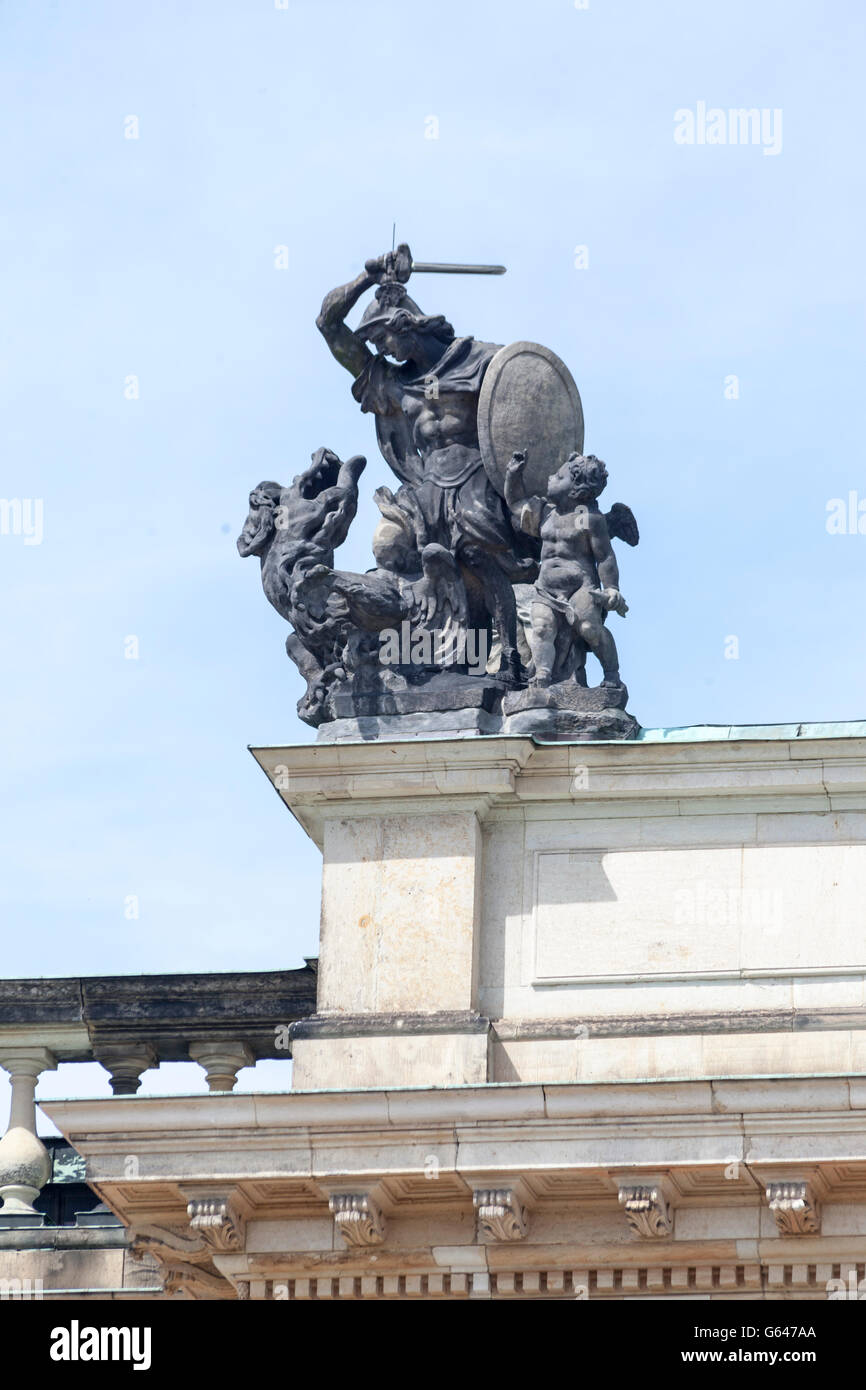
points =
(528, 402)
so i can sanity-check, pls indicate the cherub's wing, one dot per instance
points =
(621, 524)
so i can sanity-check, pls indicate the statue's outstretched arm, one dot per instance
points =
(525, 510)
(350, 351)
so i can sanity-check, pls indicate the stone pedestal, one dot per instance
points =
(663, 909)
(567, 712)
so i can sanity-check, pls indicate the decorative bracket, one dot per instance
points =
(184, 1259)
(500, 1213)
(358, 1218)
(219, 1223)
(648, 1212)
(795, 1208)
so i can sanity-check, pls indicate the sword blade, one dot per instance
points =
(444, 268)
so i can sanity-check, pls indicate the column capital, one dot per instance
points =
(222, 1061)
(26, 1060)
(125, 1063)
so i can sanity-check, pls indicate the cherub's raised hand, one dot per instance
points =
(517, 462)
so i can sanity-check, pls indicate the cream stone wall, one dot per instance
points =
(400, 908)
(638, 913)
(616, 911)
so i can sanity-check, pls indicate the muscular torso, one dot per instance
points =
(438, 422)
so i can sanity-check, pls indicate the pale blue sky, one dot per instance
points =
(305, 127)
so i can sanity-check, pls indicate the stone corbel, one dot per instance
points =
(648, 1209)
(795, 1208)
(500, 1213)
(184, 1259)
(219, 1221)
(358, 1218)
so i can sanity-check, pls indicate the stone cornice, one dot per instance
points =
(708, 1116)
(78, 1018)
(648, 1174)
(497, 775)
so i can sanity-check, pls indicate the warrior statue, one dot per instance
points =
(494, 568)
(422, 383)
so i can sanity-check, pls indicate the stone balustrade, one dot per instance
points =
(130, 1024)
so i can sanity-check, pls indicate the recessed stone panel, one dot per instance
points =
(683, 912)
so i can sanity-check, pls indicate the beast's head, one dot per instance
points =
(322, 473)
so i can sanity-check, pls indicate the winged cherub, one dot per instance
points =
(578, 582)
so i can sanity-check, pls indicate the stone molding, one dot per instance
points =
(321, 781)
(790, 1106)
(388, 1025)
(724, 1279)
(78, 1017)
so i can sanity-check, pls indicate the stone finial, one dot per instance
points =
(25, 1165)
(500, 1213)
(647, 1210)
(222, 1061)
(125, 1063)
(358, 1218)
(794, 1207)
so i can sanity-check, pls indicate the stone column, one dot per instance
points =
(25, 1165)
